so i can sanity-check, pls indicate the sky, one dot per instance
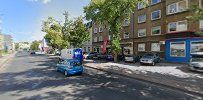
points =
(23, 18)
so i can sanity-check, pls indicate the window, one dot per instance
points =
(155, 2)
(95, 30)
(140, 5)
(84, 49)
(142, 32)
(128, 50)
(126, 22)
(196, 46)
(156, 15)
(100, 38)
(109, 37)
(141, 47)
(95, 39)
(155, 47)
(177, 7)
(142, 18)
(177, 49)
(126, 35)
(88, 49)
(156, 30)
(177, 26)
(100, 29)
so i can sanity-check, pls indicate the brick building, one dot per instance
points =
(153, 28)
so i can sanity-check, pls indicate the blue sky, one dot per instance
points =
(23, 18)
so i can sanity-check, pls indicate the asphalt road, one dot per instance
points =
(33, 77)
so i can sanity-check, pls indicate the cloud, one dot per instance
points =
(43, 1)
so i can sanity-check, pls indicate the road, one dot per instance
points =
(33, 77)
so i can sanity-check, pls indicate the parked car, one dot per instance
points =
(91, 55)
(150, 58)
(57, 53)
(32, 53)
(196, 62)
(132, 59)
(69, 67)
(109, 58)
(101, 56)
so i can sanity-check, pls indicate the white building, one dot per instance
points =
(24, 45)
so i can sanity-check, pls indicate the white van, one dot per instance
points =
(67, 53)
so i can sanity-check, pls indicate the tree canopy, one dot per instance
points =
(112, 13)
(197, 16)
(70, 33)
(35, 45)
(79, 34)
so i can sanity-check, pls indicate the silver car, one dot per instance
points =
(196, 62)
(150, 59)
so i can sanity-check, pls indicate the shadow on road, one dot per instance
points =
(44, 82)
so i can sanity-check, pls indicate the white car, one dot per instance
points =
(196, 62)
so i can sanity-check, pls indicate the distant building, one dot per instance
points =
(44, 46)
(87, 46)
(8, 43)
(1, 42)
(24, 45)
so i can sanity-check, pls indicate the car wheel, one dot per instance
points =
(80, 73)
(153, 63)
(66, 73)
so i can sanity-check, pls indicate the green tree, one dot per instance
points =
(17, 46)
(78, 34)
(197, 15)
(54, 33)
(35, 45)
(112, 13)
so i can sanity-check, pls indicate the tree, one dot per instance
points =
(35, 45)
(112, 13)
(54, 34)
(78, 34)
(197, 16)
(17, 46)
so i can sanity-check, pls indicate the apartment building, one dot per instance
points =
(181, 39)
(161, 27)
(87, 46)
(149, 28)
(100, 38)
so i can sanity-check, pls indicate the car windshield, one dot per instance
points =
(76, 63)
(147, 56)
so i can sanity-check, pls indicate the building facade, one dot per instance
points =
(162, 27)
(87, 46)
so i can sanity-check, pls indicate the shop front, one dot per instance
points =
(180, 49)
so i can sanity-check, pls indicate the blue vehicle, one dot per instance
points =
(70, 67)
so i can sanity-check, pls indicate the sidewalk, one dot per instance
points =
(5, 58)
(172, 75)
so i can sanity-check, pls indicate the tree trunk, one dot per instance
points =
(115, 57)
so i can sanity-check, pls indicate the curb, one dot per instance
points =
(197, 93)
